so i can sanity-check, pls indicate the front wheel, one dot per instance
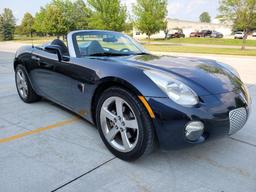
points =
(124, 125)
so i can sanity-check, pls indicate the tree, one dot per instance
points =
(81, 16)
(18, 30)
(107, 14)
(1, 28)
(205, 17)
(27, 24)
(40, 22)
(166, 29)
(128, 27)
(56, 17)
(61, 16)
(241, 13)
(7, 25)
(150, 15)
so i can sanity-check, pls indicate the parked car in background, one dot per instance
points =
(178, 34)
(239, 35)
(195, 34)
(216, 34)
(254, 34)
(205, 33)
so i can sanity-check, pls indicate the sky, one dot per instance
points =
(178, 9)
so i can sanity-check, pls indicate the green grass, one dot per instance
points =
(36, 40)
(203, 50)
(208, 41)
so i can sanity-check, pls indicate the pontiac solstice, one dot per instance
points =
(135, 99)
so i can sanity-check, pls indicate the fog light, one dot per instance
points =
(194, 130)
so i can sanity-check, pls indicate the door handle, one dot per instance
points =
(35, 58)
(81, 87)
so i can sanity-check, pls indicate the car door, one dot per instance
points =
(51, 77)
(83, 78)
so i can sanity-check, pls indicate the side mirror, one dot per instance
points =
(55, 50)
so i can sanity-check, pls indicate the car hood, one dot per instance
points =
(203, 73)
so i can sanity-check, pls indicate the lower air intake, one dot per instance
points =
(237, 119)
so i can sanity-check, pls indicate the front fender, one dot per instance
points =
(22, 56)
(134, 77)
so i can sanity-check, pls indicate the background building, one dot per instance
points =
(187, 27)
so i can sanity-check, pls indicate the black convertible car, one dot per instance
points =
(133, 97)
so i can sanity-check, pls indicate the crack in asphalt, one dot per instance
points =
(84, 174)
(241, 141)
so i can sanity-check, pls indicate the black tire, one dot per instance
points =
(145, 142)
(31, 95)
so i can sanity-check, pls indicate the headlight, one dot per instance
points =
(176, 90)
(231, 69)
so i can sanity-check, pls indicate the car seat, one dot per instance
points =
(94, 47)
(61, 45)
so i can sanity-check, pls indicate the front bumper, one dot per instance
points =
(213, 110)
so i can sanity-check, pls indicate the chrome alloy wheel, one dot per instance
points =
(21, 83)
(119, 124)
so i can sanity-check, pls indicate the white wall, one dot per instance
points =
(159, 35)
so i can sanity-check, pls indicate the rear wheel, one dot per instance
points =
(24, 88)
(124, 125)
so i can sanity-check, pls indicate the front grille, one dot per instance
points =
(237, 119)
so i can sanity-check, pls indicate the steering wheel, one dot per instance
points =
(125, 50)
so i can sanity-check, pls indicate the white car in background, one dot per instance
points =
(254, 34)
(239, 35)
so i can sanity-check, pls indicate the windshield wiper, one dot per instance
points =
(108, 54)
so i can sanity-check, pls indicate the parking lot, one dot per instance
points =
(44, 147)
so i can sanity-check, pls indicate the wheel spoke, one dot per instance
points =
(19, 85)
(24, 84)
(25, 92)
(20, 76)
(109, 115)
(111, 134)
(119, 107)
(125, 140)
(131, 124)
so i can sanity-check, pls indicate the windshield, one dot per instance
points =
(104, 43)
